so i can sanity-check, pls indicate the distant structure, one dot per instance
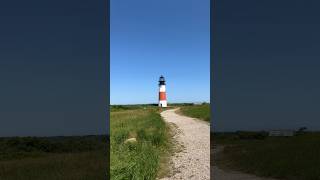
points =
(282, 133)
(162, 92)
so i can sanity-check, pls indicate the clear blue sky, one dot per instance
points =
(53, 67)
(153, 38)
(266, 65)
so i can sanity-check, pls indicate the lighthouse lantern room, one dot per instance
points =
(162, 92)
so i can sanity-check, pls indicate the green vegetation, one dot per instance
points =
(140, 159)
(293, 158)
(197, 111)
(51, 158)
(115, 108)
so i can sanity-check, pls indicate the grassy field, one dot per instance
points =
(294, 158)
(52, 158)
(197, 111)
(145, 158)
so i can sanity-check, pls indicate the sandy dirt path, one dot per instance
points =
(220, 174)
(192, 138)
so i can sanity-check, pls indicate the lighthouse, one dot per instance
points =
(162, 92)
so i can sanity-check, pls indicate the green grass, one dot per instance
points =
(73, 166)
(197, 111)
(51, 158)
(141, 160)
(294, 158)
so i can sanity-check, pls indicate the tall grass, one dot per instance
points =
(51, 158)
(140, 160)
(294, 158)
(66, 166)
(197, 111)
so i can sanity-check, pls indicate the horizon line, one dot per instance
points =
(168, 103)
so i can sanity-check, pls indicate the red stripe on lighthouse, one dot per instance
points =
(162, 96)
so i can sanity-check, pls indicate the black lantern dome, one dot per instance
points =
(162, 81)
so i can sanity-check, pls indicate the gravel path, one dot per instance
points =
(192, 140)
(230, 175)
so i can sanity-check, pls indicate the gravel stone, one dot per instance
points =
(193, 136)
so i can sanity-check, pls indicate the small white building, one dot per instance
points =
(283, 133)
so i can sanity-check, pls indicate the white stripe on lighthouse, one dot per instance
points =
(163, 103)
(162, 88)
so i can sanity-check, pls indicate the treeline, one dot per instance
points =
(141, 106)
(241, 135)
(59, 144)
(114, 108)
(254, 135)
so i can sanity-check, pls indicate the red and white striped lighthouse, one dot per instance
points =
(162, 92)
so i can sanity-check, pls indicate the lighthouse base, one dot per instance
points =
(162, 103)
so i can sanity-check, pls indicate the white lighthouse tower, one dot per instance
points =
(162, 92)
